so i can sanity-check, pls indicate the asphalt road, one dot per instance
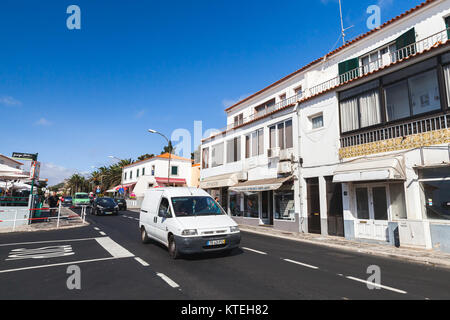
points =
(114, 264)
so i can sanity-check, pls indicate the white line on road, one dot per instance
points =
(302, 264)
(257, 251)
(169, 281)
(57, 264)
(115, 249)
(49, 241)
(145, 264)
(102, 233)
(377, 285)
(96, 228)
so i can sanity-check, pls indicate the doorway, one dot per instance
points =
(372, 205)
(335, 212)
(267, 207)
(313, 200)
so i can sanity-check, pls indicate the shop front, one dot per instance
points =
(268, 202)
(376, 196)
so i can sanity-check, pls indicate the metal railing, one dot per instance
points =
(397, 131)
(396, 56)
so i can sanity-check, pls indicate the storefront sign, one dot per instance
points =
(25, 156)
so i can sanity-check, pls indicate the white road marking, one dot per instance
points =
(40, 253)
(377, 285)
(169, 281)
(56, 264)
(115, 249)
(96, 228)
(49, 241)
(145, 264)
(257, 251)
(102, 233)
(302, 264)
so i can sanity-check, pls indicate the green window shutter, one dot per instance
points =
(347, 66)
(404, 42)
(447, 25)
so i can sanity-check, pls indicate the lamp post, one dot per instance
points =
(170, 152)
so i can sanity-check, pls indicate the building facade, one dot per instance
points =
(354, 144)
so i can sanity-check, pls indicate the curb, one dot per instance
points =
(428, 261)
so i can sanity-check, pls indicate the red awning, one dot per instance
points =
(125, 186)
(171, 181)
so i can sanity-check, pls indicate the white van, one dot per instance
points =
(186, 220)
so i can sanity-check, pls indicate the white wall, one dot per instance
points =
(161, 169)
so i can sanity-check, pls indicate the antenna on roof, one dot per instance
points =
(342, 23)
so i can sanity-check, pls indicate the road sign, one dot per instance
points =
(121, 190)
(35, 170)
(98, 190)
(25, 156)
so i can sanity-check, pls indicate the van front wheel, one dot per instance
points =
(144, 236)
(173, 250)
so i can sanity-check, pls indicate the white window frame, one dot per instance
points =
(284, 130)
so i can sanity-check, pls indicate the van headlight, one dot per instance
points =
(234, 229)
(189, 232)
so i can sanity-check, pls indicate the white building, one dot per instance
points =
(365, 134)
(154, 172)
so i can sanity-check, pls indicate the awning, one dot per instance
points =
(125, 186)
(260, 185)
(225, 180)
(171, 181)
(366, 169)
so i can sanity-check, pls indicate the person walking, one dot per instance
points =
(53, 203)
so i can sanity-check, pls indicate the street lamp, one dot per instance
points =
(168, 145)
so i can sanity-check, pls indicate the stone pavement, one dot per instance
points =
(68, 219)
(429, 257)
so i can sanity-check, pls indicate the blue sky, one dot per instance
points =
(77, 96)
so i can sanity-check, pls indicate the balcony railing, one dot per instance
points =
(387, 59)
(402, 130)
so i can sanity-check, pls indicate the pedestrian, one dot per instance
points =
(53, 202)
(216, 199)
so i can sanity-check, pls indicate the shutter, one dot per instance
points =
(447, 25)
(346, 66)
(404, 42)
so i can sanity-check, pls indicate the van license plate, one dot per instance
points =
(215, 242)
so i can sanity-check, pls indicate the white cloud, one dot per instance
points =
(43, 122)
(140, 114)
(55, 173)
(9, 101)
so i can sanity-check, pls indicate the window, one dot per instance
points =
(254, 143)
(217, 155)
(283, 97)
(422, 90)
(435, 185)
(281, 135)
(143, 171)
(251, 205)
(137, 173)
(131, 175)
(317, 121)
(174, 170)
(360, 107)
(374, 60)
(348, 69)
(205, 159)
(239, 119)
(153, 170)
(235, 203)
(447, 25)
(234, 150)
(397, 198)
(298, 92)
(447, 83)
(164, 208)
(125, 176)
(265, 107)
(284, 205)
(404, 44)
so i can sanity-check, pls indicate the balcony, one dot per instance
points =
(386, 60)
(408, 134)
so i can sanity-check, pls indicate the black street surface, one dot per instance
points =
(114, 264)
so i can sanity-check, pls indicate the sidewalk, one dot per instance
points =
(68, 219)
(429, 257)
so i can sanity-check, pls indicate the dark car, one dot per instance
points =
(104, 206)
(67, 200)
(122, 203)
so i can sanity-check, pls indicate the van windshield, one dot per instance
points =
(81, 196)
(195, 206)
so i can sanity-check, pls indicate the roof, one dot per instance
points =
(180, 191)
(11, 159)
(365, 35)
(161, 156)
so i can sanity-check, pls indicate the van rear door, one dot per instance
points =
(149, 211)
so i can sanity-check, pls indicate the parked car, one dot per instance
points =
(67, 200)
(104, 206)
(122, 203)
(186, 220)
(80, 199)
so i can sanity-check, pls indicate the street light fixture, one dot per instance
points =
(168, 145)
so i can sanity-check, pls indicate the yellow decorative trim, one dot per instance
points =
(410, 142)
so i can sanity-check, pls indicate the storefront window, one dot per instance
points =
(284, 205)
(251, 205)
(235, 204)
(398, 204)
(435, 185)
